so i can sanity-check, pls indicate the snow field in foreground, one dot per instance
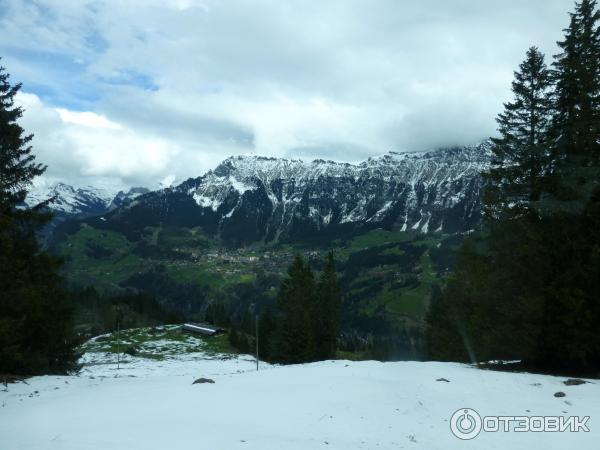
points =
(152, 404)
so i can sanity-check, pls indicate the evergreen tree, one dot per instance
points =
(307, 325)
(521, 153)
(328, 314)
(36, 316)
(577, 70)
(296, 300)
(243, 343)
(492, 304)
(17, 163)
(233, 338)
(216, 314)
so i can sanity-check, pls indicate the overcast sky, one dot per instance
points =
(132, 92)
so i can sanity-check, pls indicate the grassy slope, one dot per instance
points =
(400, 301)
(116, 264)
(158, 343)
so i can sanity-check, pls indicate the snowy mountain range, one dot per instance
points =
(249, 199)
(72, 202)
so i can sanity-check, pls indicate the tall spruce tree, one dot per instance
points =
(36, 318)
(328, 310)
(307, 325)
(297, 298)
(577, 71)
(17, 164)
(521, 153)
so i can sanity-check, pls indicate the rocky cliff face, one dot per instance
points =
(249, 199)
(123, 198)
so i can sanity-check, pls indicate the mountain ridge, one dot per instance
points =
(78, 202)
(249, 199)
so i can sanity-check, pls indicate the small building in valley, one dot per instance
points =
(201, 328)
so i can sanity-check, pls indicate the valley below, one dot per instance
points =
(387, 278)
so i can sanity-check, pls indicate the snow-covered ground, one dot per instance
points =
(152, 404)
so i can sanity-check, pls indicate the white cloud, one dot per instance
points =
(86, 119)
(170, 88)
(79, 145)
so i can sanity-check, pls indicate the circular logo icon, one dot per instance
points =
(465, 423)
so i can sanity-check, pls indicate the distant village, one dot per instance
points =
(239, 261)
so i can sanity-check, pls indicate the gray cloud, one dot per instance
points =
(190, 82)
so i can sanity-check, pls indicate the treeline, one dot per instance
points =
(526, 286)
(302, 325)
(186, 299)
(96, 314)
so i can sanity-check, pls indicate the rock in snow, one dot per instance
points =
(203, 381)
